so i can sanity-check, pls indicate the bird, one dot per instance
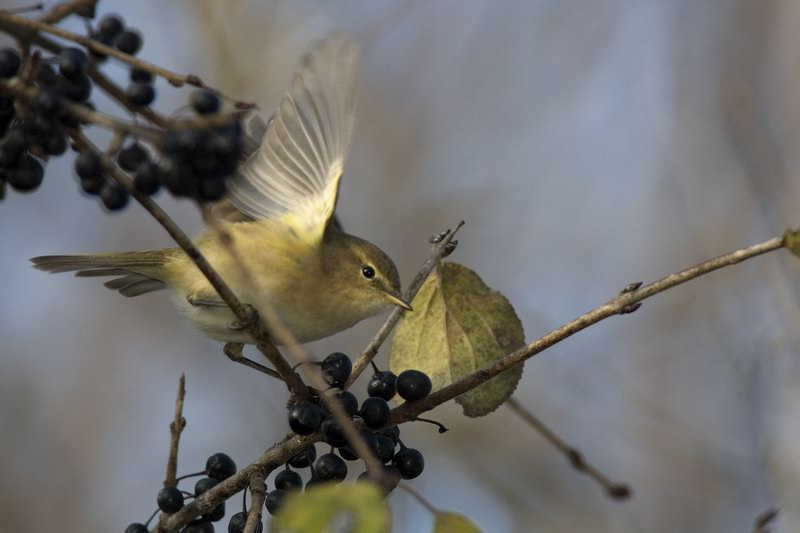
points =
(280, 212)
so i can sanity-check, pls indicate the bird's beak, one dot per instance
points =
(396, 299)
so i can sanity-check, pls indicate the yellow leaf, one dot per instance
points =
(453, 523)
(459, 325)
(326, 507)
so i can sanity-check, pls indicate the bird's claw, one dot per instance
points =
(252, 318)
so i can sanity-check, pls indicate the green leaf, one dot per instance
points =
(327, 506)
(792, 240)
(453, 523)
(459, 325)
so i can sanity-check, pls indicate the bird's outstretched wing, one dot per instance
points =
(294, 175)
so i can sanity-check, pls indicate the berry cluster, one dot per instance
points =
(189, 158)
(171, 499)
(308, 417)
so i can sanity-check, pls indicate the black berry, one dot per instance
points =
(129, 41)
(347, 453)
(385, 451)
(170, 499)
(27, 176)
(93, 184)
(204, 485)
(413, 385)
(220, 466)
(204, 102)
(305, 458)
(113, 196)
(78, 89)
(212, 188)
(147, 179)
(130, 157)
(9, 63)
(349, 402)
(305, 418)
(410, 462)
(176, 177)
(332, 432)
(274, 500)
(72, 63)
(330, 467)
(216, 514)
(288, 480)
(110, 25)
(382, 385)
(88, 164)
(199, 526)
(136, 527)
(375, 412)
(336, 369)
(141, 94)
(392, 432)
(140, 75)
(238, 521)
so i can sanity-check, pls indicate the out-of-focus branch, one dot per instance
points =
(175, 429)
(617, 491)
(625, 302)
(443, 245)
(61, 11)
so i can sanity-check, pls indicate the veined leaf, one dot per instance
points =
(459, 325)
(327, 507)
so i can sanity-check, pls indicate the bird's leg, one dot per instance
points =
(234, 352)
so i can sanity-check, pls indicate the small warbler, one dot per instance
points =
(279, 210)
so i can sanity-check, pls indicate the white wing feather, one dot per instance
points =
(294, 175)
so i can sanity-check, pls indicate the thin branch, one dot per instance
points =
(617, 491)
(174, 78)
(443, 245)
(175, 429)
(260, 336)
(258, 491)
(274, 457)
(625, 302)
(61, 11)
(766, 519)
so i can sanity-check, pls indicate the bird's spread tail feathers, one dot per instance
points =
(136, 272)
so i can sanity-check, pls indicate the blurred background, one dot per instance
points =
(587, 145)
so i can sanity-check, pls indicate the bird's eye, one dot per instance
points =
(368, 272)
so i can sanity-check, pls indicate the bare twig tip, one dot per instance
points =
(620, 492)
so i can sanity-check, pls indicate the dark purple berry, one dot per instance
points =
(176, 177)
(288, 480)
(204, 102)
(305, 418)
(77, 90)
(392, 432)
(9, 63)
(332, 432)
(113, 196)
(305, 458)
(216, 514)
(330, 467)
(72, 63)
(349, 402)
(413, 385)
(129, 41)
(139, 75)
(347, 453)
(238, 521)
(136, 527)
(170, 499)
(385, 451)
(93, 184)
(212, 188)
(203, 485)
(375, 412)
(220, 466)
(382, 385)
(26, 176)
(274, 500)
(110, 25)
(147, 179)
(88, 164)
(130, 157)
(199, 526)
(141, 94)
(56, 143)
(410, 462)
(336, 369)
